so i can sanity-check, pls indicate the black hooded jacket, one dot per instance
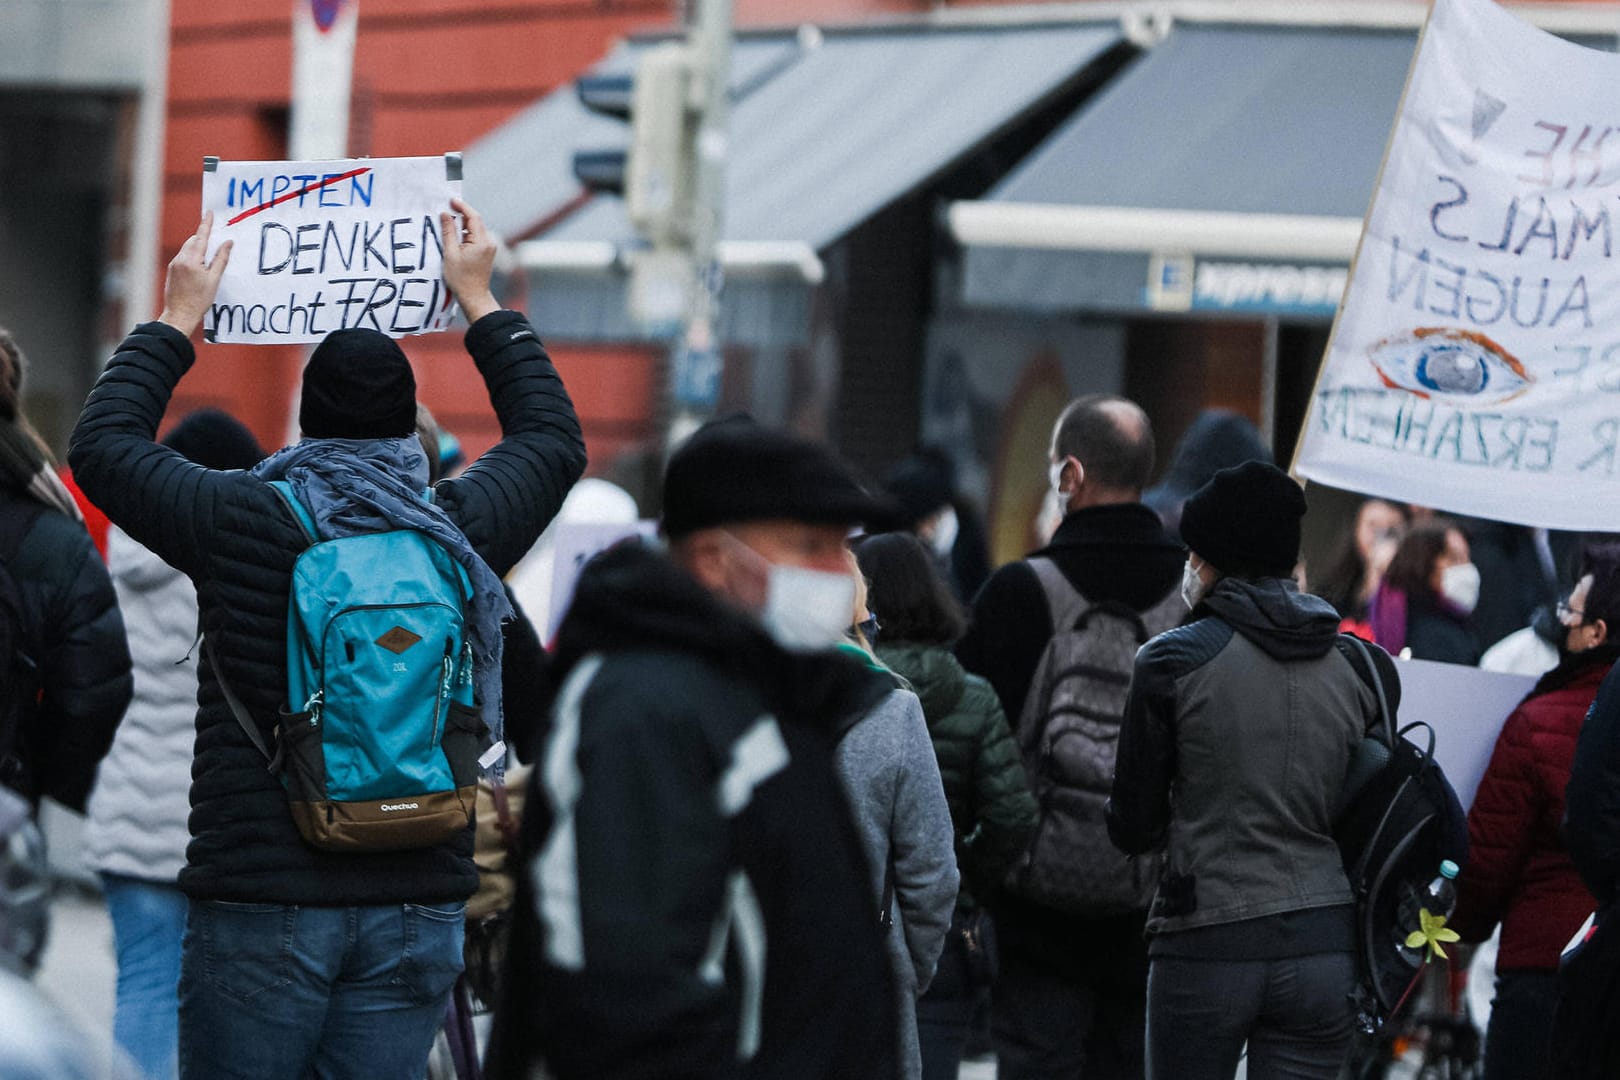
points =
(1249, 714)
(1217, 439)
(689, 839)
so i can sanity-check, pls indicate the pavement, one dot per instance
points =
(79, 972)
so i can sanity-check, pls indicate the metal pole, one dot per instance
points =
(1270, 331)
(709, 40)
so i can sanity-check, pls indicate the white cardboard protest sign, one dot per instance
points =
(1466, 708)
(1475, 363)
(328, 245)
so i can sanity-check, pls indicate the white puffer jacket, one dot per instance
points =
(137, 813)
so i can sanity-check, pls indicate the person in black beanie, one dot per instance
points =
(1249, 713)
(298, 960)
(357, 385)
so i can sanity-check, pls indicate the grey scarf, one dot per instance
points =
(357, 486)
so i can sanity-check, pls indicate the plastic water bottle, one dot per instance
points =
(1438, 898)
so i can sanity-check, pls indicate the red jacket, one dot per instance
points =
(1519, 872)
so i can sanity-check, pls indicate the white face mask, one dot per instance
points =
(1055, 471)
(1460, 585)
(807, 610)
(1192, 586)
(946, 529)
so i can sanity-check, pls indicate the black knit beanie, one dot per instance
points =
(1245, 521)
(216, 440)
(358, 385)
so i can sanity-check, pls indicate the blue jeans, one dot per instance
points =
(148, 921)
(1294, 1014)
(272, 992)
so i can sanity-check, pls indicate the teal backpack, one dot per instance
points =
(379, 744)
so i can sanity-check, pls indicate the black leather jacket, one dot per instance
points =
(1248, 716)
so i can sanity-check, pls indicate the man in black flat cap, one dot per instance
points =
(696, 903)
(299, 961)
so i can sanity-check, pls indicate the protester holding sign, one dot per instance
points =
(301, 960)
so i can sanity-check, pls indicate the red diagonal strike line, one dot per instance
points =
(305, 190)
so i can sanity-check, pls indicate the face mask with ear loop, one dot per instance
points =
(1192, 585)
(1460, 585)
(946, 530)
(1055, 473)
(805, 610)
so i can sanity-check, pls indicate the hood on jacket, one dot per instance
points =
(633, 597)
(1217, 439)
(1281, 621)
(937, 677)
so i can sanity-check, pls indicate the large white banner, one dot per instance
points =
(1475, 363)
(328, 245)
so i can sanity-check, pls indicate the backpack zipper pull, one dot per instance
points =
(444, 689)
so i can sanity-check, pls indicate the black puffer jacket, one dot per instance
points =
(992, 808)
(233, 536)
(74, 637)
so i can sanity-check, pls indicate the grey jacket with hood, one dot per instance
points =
(138, 811)
(1236, 738)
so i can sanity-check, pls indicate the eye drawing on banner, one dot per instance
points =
(1462, 368)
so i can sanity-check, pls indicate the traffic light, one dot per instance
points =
(657, 175)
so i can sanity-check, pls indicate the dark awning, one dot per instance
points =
(828, 127)
(1227, 169)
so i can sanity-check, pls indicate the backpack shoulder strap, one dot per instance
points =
(1365, 665)
(238, 710)
(1064, 601)
(306, 522)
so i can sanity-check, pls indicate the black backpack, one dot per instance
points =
(1068, 736)
(19, 690)
(1397, 818)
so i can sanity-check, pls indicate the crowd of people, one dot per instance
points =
(813, 790)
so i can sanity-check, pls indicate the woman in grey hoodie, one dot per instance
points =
(885, 761)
